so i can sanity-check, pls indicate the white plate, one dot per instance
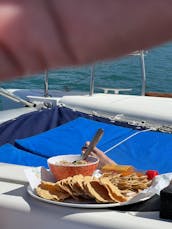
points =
(78, 204)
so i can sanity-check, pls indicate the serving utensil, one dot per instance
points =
(93, 143)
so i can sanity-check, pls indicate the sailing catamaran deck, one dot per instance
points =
(120, 107)
(20, 210)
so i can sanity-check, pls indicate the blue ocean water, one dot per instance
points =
(119, 73)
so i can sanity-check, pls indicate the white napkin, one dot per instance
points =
(35, 175)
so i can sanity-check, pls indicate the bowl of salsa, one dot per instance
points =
(64, 166)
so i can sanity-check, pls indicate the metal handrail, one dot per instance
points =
(143, 70)
(46, 94)
(143, 73)
(92, 80)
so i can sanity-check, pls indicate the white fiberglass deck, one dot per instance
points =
(154, 109)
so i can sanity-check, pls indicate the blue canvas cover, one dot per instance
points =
(70, 137)
(13, 155)
(40, 121)
(142, 149)
(34, 123)
(146, 150)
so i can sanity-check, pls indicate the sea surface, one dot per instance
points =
(119, 73)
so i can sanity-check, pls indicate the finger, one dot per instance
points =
(87, 143)
(98, 152)
(93, 154)
(85, 147)
(29, 38)
(35, 35)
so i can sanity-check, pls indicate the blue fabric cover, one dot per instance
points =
(39, 121)
(70, 137)
(33, 123)
(146, 150)
(13, 155)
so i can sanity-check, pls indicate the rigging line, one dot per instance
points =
(124, 140)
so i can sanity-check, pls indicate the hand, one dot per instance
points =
(36, 35)
(103, 159)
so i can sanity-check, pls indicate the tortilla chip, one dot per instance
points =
(47, 185)
(72, 183)
(117, 168)
(46, 194)
(97, 191)
(48, 190)
(76, 185)
(132, 182)
(106, 189)
(113, 191)
(65, 185)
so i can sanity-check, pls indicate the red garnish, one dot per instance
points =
(151, 174)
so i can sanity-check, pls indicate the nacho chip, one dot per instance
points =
(110, 187)
(46, 194)
(113, 191)
(76, 185)
(132, 182)
(117, 168)
(97, 191)
(65, 185)
(49, 191)
(79, 185)
(73, 185)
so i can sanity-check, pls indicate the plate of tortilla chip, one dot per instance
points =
(90, 192)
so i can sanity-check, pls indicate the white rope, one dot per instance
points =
(124, 140)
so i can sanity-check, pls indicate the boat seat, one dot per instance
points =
(144, 149)
(12, 155)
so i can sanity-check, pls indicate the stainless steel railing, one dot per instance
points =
(143, 75)
(92, 76)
